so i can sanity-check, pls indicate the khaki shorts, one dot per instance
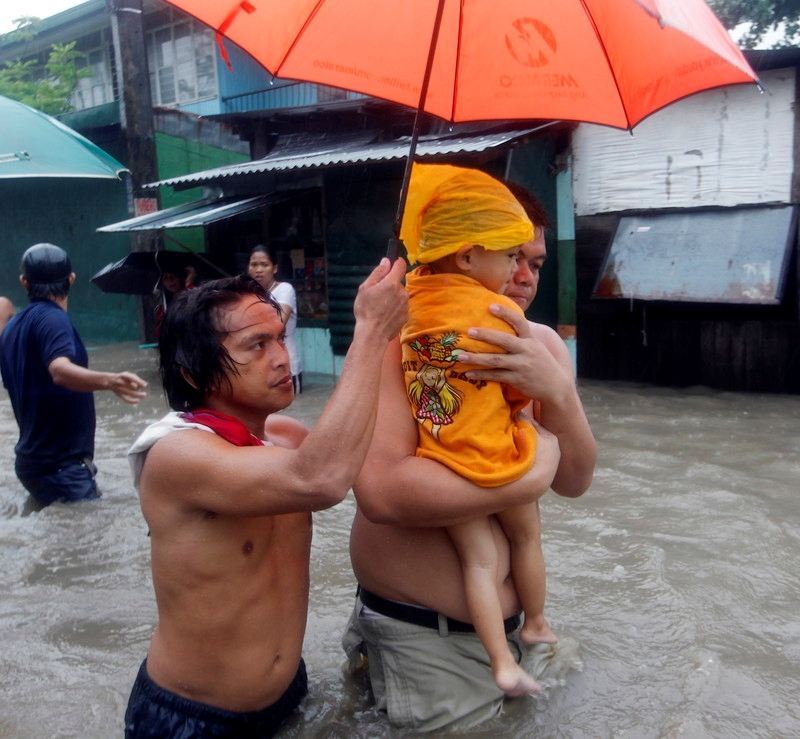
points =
(424, 679)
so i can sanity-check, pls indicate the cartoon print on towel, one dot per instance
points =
(435, 399)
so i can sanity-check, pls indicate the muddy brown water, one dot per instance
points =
(674, 582)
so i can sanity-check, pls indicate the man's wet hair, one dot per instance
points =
(532, 205)
(60, 289)
(190, 343)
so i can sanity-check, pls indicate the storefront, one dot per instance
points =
(325, 204)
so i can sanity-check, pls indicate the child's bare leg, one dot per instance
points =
(521, 526)
(476, 549)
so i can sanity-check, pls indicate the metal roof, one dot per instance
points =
(762, 59)
(312, 151)
(60, 27)
(197, 213)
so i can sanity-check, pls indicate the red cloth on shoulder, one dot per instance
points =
(229, 428)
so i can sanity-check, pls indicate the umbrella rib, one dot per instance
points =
(309, 18)
(608, 61)
(458, 60)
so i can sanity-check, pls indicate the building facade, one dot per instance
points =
(221, 131)
(687, 239)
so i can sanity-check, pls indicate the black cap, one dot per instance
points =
(45, 264)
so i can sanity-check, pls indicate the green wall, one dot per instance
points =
(177, 156)
(360, 204)
(67, 212)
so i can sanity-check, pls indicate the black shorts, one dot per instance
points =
(156, 713)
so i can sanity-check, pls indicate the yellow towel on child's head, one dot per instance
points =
(450, 207)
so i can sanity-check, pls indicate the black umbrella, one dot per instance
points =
(140, 271)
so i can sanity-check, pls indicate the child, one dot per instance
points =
(466, 230)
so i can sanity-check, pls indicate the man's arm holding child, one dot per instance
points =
(538, 364)
(395, 487)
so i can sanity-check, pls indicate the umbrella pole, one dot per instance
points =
(395, 243)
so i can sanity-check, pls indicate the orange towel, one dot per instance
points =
(449, 207)
(470, 426)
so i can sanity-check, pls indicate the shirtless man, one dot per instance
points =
(426, 669)
(230, 516)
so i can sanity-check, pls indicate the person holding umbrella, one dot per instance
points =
(44, 367)
(428, 669)
(173, 280)
(227, 486)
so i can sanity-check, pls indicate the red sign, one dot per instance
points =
(143, 206)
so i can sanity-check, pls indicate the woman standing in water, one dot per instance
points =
(263, 268)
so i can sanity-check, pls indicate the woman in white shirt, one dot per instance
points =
(263, 268)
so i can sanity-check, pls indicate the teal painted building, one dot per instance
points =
(67, 212)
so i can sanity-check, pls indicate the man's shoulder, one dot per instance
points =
(550, 338)
(43, 307)
(543, 332)
(176, 447)
(33, 326)
(187, 445)
(44, 313)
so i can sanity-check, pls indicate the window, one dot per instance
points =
(735, 255)
(180, 57)
(96, 88)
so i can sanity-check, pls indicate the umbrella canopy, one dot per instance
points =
(611, 62)
(140, 271)
(33, 144)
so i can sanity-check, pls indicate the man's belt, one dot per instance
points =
(422, 616)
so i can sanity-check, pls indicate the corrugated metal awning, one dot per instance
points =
(737, 255)
(326, 150)
(196, 213)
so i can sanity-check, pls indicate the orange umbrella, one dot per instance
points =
(611, 62)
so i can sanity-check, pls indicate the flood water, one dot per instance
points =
(673, 582)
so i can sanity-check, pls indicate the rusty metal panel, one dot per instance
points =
(738, 255)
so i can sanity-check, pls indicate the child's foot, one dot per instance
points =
(537, 631)
(514, 681)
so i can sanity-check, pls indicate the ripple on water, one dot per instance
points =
(9, 509)
(99, 634)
